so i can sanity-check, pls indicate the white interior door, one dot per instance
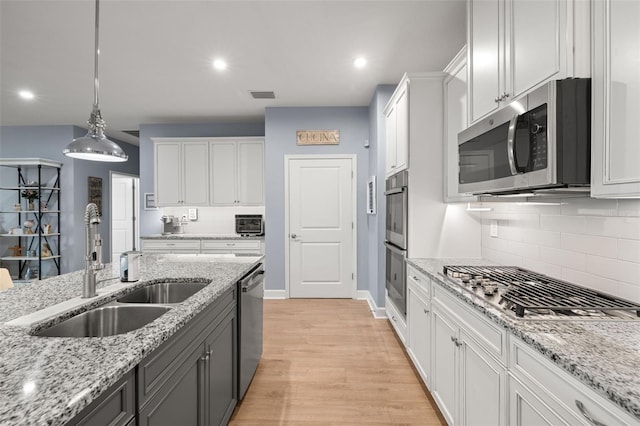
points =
(321, 228)
(123, 224)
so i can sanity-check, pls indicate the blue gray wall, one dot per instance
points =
(281, 125)
(150, 219)
(376, 223)
(48, 142)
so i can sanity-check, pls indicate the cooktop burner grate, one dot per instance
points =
(527, 290)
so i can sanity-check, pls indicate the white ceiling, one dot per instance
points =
(155, 56)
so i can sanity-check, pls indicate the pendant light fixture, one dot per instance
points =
(95, 146)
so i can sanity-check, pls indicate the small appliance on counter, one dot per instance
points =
(249, 225)
(172, 225)
(130, 266)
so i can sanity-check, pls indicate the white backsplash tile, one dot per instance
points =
(590, 242)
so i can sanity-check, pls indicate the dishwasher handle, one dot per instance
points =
(252, 280)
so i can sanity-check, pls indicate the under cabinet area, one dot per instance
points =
(515, 46)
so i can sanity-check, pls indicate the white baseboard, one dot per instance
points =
(275, 294)
(378, 313)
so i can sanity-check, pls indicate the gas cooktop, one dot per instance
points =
(527, 294)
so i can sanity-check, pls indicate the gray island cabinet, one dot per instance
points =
(189, 380)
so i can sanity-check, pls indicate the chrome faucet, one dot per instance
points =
(93, 250)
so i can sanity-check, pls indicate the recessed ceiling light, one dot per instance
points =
(359, 62)
(220, 64)
(26, 95)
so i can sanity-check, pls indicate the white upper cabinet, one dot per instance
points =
(397, 122)
(181, 173)
(516, 45)
(237, 172)
(209, 171)
(455, 120)
(616, 99)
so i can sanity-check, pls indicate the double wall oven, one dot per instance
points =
(396, 195)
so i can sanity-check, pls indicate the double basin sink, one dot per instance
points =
(129, 312)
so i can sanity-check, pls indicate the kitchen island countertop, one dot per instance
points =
(48, 380)
(604, 355)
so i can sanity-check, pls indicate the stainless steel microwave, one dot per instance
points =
(540, 141)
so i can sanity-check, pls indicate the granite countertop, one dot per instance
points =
(48, 380)
(604, 355)
(200, 237)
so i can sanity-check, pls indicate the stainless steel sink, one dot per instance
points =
(163, 293)
(105, 321)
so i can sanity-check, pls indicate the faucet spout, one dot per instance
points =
(93, 250)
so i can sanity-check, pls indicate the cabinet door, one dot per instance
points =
(455, 98)
(537, 42)
(482, 386)
(222, 371)
(419, 328)
(223, 173)
(616, 99)
(180, 401)
(445, 354)
(525, 409)
(250, 182)
(486, 62)
(168, 173)
(390, 140)
(195, 175)
(402, 130)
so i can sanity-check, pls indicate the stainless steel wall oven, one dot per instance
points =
(396, 237)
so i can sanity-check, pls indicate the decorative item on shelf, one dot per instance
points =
(44, 207)
(30, 194)
(17, 207)
(16, 250)
(46, 228)
(28, 224)
(46, 250)
(31, 253)
(15, 231)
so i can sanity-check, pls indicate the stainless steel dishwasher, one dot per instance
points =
(251, 290)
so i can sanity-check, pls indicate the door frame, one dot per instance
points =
(136, 208)
(354, 215)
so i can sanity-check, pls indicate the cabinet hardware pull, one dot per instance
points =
(505, 95)
(496, 99)
(586, 414)
(393, 317)
(453, 339)
(416, 278)
(171, 244)
(426, 311)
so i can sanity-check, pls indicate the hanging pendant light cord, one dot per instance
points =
(96, 124)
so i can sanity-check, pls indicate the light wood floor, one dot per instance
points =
(329, 362)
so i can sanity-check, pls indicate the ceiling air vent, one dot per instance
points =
(256, 94)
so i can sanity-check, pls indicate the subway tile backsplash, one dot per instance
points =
(594, 243)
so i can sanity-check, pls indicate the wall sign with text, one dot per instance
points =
(318, 137)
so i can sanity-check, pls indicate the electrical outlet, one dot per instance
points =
(493, 229)
(193, 214)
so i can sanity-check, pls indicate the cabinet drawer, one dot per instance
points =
(231, 245)
(396, 320)
(560, 390)
(168, 246)
(489, 335)
(421, 283)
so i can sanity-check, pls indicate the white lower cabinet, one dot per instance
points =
(419, 323)
(542, 393)
(397, 321)
(170, 246)
(205, 246)
(468, 384)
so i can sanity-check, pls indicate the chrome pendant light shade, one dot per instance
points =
(95, 146)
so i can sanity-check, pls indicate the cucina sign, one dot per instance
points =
(318, 137)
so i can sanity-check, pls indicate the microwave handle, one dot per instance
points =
(511, 145)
